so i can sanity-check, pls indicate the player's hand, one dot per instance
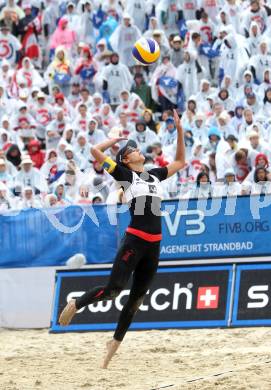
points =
(177, 121)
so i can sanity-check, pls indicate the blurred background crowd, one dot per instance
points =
(68, 81)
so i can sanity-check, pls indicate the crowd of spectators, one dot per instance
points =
(68, 81)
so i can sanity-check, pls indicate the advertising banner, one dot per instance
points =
(214, 228)
(48, 237)
(252, 295)
(229, 228)
(178, 298)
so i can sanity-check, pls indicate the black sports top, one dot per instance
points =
(143, 193)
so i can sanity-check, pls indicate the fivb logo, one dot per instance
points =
(196, 224)
(161, 299)
(258, 297)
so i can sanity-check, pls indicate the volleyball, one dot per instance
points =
(146, 51)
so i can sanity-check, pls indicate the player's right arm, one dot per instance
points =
(119, 172)
(97, 151)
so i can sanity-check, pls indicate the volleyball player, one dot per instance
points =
(139, 251)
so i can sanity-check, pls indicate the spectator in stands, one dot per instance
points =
(143, 90)
(35, 153)
(63, 89)
(261, 183)
(60, 194)
(143, 136)
(59, 71)
(123, 38)
(29, 200)
(256, 145)
(97, 198)
(5, 199)
(14, 155)
(187, 73)
(86, 69)
(241, 165)
(30, 176)
(202, 188)
(71, 180)
(150, 123)
(63, 35)
(5, 177)
(229, 186)
(176, 53)
(84, 197)
(50, 200)
(53, 167)
(116, 78)
(214, 137)
(169, 134)
(12, 54)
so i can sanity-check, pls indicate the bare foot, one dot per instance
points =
(112, 347)
(67, 313)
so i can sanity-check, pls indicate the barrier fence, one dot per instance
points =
(180, 297)
(231, 228)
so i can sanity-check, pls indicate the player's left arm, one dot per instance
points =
(179, 162)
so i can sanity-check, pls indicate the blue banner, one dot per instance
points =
(213, 228)
(194, 229)
(49, 237)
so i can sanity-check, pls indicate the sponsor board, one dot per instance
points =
(178, 298)
(232, 227)
(208, 229)
(252, 295)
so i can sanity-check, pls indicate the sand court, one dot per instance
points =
(202, 359)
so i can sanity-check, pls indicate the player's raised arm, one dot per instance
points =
(179, 162)
(97, 151)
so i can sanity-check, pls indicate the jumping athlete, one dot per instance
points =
(140, 246)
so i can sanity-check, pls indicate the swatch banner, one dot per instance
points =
(178, 298)
(252, 295)
(213, 228)
(49, 237)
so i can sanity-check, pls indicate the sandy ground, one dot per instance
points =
(170, 359)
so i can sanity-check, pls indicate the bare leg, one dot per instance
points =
(112, 347)
(67, 313)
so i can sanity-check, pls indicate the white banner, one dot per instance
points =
(26, 296)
